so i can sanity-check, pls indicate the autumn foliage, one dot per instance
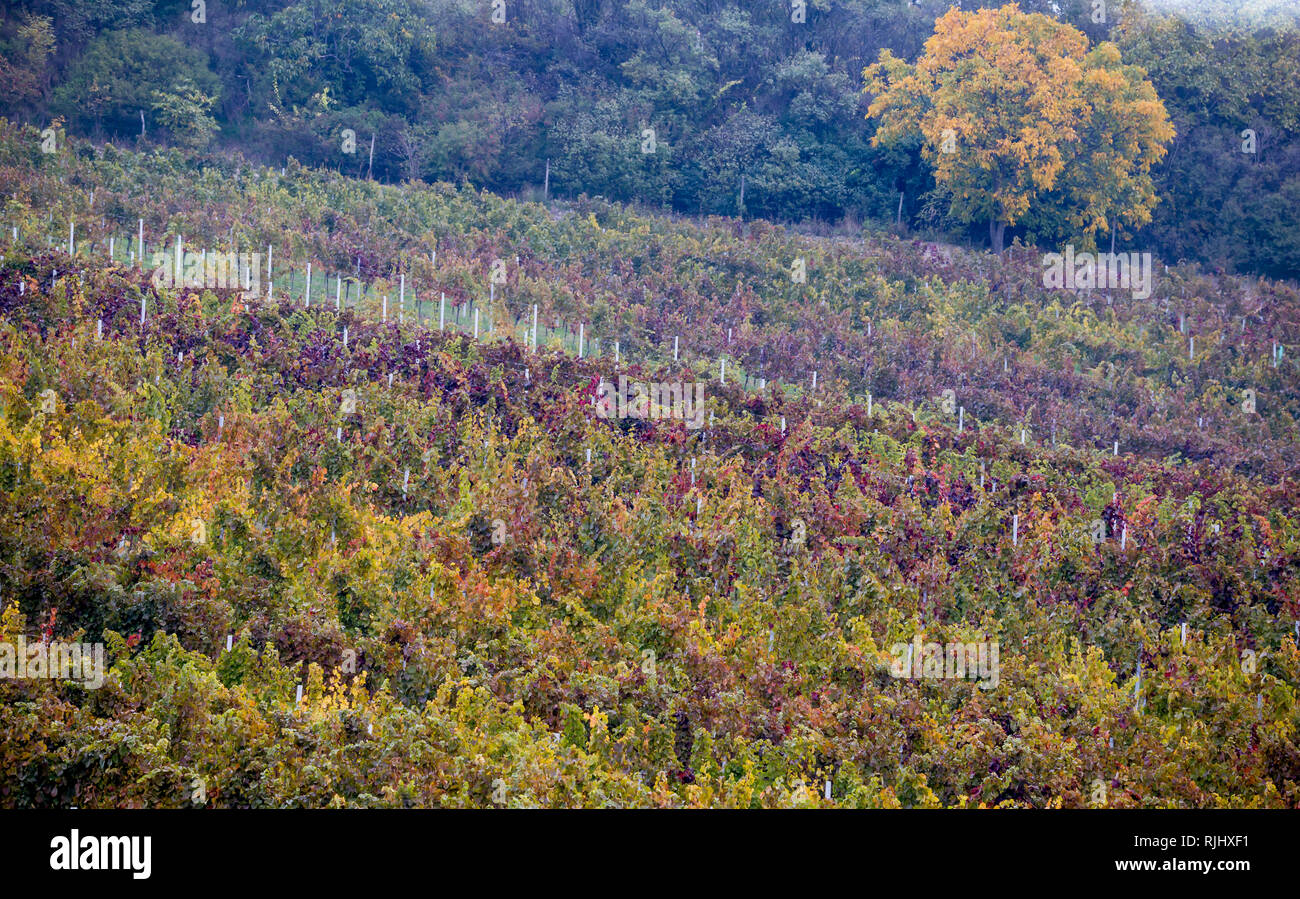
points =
(489, 595)
(1021, 121)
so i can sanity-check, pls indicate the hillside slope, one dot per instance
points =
(491, 591)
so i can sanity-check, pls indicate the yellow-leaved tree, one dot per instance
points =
(1022, 122)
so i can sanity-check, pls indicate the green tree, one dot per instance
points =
(184, 112)
(115, 80)
(23, 61)
(1234, 98)
(365, 52)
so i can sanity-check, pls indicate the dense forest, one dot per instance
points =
(751, 110)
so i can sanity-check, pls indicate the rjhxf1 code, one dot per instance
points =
(1218, 841)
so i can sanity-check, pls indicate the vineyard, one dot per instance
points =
(376, 542)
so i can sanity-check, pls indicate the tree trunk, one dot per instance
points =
(996, 231)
